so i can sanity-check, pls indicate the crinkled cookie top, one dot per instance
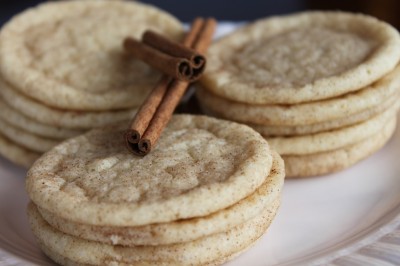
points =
(301, 58)
(69, 54)
(199, 165)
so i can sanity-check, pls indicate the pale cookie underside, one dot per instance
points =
(182, 230)
(340, 107)
(69, 54)
(61, 117)
(198, 252)
(26, 139)
(18, 120)
(16, 153)
(93, 179)
(302, 57)
(336, 160)
(333, 139)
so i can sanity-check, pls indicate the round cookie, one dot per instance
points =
(336, 160)
(93, 179)
(199, 252)
(60, 117)
(68, 54)
(23, 138)
(16, 153)
(333, 139)
(18, 120)
(300, 58)
(182, 230)
(364, 100)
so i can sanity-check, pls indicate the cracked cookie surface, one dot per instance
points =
(69, 54)
(301, 58)
(200, 165)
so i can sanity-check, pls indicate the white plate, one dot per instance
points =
(349, 218)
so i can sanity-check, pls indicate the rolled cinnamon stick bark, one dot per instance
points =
(175, 92)
(146, 111)
(167, 46)
(165, 97)
(177, 67)
(204, 38)
(162, 116)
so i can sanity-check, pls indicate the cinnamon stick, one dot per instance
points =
(177, 67)
(163, 44)
(175, 92)
(162, 116)
(146, 112)
(204, 38)
(199, 36)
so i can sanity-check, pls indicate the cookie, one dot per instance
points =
(206, 193)
(16, 153)
(18, 120)
(62, 260)
(25, 139)
(68, 54)
(60, 117)
(182, 230)
(365, 100)
(333, 139)
(324, 126)
(299, 58)
(93, 179)
(336, 160)
(203, 251)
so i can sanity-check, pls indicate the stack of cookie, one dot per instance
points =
(322, 87)
(206, 193)
(63, 71)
